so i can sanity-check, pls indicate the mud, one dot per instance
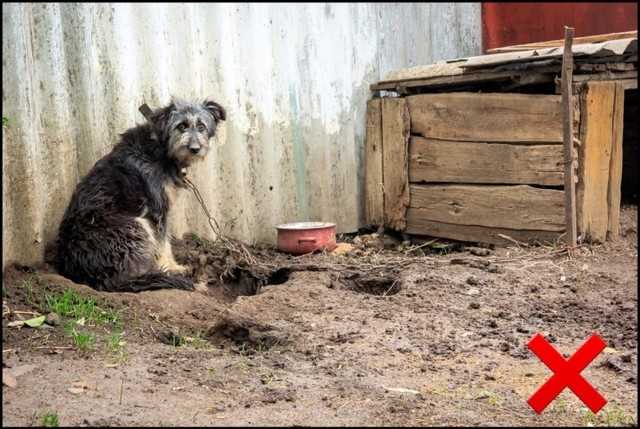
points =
(374, 337)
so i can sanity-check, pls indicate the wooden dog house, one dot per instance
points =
(472, 149)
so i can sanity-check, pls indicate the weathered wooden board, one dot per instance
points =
(606, 76)
(374, 198)
(417, 224)
(615, 165)
(454, 79)
(395, 142)
(594, 160)
(487, 117)
(599, 38)
(570, 160)
(433, 160)
(457, 79)
(512, 207)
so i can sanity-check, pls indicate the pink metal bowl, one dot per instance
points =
(306, 237)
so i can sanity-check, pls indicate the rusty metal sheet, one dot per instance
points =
(508, 23)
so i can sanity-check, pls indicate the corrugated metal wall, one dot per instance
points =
(293, 77)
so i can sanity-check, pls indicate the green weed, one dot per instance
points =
(612, 415)
(117, 346)
(198, 342)
(50, 420)
(70, 304)
(83, 341)
(27, 285)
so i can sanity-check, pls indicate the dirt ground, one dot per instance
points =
(429, 336)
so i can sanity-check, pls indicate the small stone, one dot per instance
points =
(8, 379)
(389, 242)
(473, 291)
(472, 280)
(613, 363)
(480, 252)
(202, 259)
(629, 306)
(53, 319)
(343, 248)
(494, 269)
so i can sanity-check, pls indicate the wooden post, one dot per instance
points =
(567, 120)
(395, 161)
(615, 169)
(599, 164)
(374, 197)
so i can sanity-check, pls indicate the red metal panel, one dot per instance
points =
(505, 24)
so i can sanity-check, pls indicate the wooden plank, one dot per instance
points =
(512, 207)
(552, 43)
(462, 79)
(474, 162)
(417, 224)
(628, 83)
(442, 80)
(620, 47)
(374, 198)
(607, 75)
(467, 116)
(567, 136)
(594, 156)
(615, 165)
(602, 67)
(395, 141)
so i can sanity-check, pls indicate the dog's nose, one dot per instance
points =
(194, 150)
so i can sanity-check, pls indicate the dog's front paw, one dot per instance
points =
(175, 268)
(201, 287)
(179, 269)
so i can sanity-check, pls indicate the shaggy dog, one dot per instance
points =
(113, 235)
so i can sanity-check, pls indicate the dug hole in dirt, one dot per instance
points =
(378, 335)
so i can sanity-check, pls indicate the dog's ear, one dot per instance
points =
(160, 117)
(216, 110)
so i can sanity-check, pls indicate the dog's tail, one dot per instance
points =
(150, 281)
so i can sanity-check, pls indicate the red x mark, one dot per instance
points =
(567, 373)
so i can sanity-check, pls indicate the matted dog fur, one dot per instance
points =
(113, 235)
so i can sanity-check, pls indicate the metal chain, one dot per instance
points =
(215, 227)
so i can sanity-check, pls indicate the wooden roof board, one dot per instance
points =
(559, 42)
(610, 47)
(498, 66)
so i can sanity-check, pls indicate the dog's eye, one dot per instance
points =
(201, 127)
(181, 127)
